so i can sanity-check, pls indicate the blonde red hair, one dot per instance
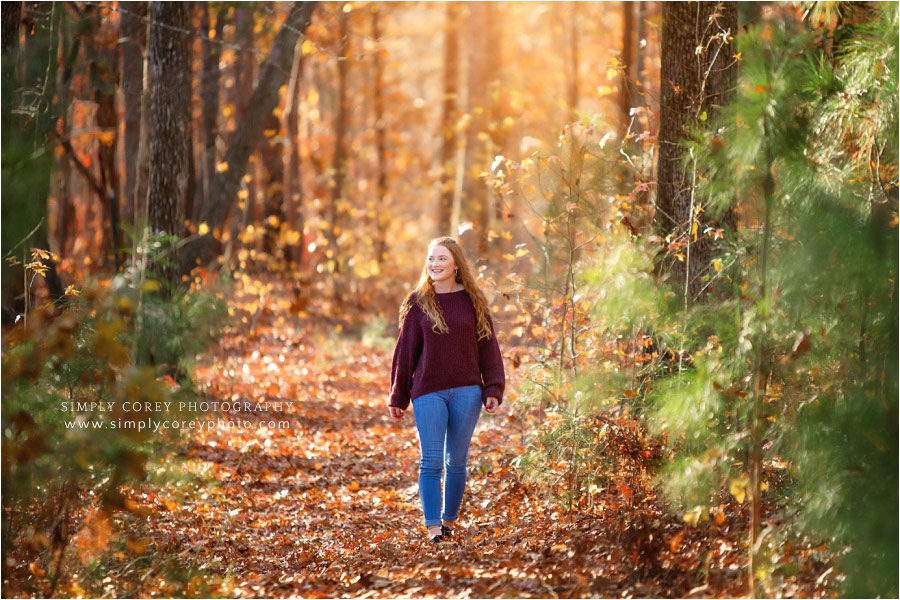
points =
(426, 299)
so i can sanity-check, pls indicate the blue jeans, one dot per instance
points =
(445, 420)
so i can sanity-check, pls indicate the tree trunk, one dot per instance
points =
(245, 63)
(103, 82)
(142, 172)
(12, 15)
(627, 92)
(484, 66)
(691, 84)
(169, 125)
(449, 117)
(65, 205)
(247, 136)
(132, 40)
(272, 153)
(382, 217)
(293, 181)
(210, 94)
(190, 194)
(640, 54)
(339, 166)
(66, 219)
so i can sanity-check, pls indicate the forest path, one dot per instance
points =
(329, 505)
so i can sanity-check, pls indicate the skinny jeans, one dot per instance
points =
(445, 421)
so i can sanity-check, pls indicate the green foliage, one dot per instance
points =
(804, 355)
(569, 185)
(791, 367)
(27, 119)
(171, 325)
(84, 387)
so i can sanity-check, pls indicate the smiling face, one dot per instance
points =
(440, 264)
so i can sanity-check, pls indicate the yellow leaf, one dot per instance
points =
(292, 237)
(124, 304)
(738, 488)
(221, 167)
(718, 265)
(695, 515)
(308, 48)
(203, 229)
(353, 486)
(521, 252)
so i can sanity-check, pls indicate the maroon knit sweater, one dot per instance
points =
(425, 361)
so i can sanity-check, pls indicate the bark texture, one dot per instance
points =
(169, 124)
(12, 14)
(697, 75)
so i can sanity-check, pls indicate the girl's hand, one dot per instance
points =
(396, 413)
(491, 404)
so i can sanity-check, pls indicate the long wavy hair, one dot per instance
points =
(425, 295)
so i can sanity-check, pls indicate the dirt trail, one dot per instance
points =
(329, 507)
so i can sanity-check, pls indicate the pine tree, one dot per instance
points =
(795, 375)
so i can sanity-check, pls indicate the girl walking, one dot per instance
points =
(447, 362)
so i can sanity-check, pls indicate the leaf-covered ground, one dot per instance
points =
(329, 506)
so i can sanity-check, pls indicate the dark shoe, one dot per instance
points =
(446, 532)
(437, 539)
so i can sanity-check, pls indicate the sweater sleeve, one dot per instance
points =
(491, 362)
(406, 357)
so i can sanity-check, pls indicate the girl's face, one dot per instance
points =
(441, 265)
